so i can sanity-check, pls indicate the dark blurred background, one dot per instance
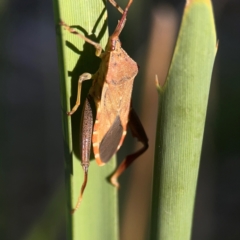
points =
(31, 142)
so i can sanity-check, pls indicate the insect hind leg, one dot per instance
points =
(86, 137)
(138, 131)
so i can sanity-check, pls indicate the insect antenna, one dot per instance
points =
(122, 21)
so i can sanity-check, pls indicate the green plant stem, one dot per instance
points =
(182, 113)
(97, 217)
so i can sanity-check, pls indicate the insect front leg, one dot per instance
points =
(95, 44)
(85, 144)
(83, 77)
(138, 131)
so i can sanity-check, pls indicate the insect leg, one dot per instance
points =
(86, 138)
(138, 131)
(116, 6)
(83, 77)
(95, 44)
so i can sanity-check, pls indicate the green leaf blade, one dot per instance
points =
(181, 123)
(97, 216)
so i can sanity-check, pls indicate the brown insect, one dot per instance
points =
(111, 94)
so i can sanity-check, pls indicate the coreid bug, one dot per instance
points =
(111, 92)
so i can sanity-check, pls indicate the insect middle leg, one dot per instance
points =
(83, 77)
(138, 131)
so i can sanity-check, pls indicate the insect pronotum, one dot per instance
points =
(111, 92)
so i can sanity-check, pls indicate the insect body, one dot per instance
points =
(111, 93)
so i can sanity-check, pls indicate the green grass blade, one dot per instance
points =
(182, 112)
(97, 217)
